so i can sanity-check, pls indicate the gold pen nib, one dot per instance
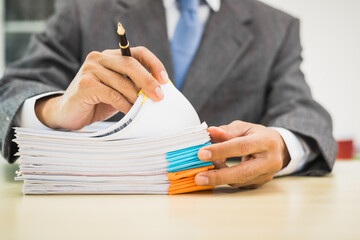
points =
(120, 29)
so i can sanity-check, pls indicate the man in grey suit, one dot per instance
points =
(246, 72)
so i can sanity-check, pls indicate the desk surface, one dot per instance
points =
(286, 208)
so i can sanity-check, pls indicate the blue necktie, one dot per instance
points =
(186, 39)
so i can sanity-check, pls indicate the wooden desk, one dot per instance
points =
(286, 208)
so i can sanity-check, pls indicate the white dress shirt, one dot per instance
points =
(297, 148)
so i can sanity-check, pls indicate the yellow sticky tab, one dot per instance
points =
(144, 99)
(145, 96)
(141, 92)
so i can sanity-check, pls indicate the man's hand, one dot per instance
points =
(101, 89)
(263, 150)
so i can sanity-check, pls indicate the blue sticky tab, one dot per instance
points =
(183, 155)
(194, 165)
(185, 159)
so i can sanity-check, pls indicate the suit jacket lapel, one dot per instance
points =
(145, 24)
(225, 39)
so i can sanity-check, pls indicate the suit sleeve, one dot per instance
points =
(289, 105)
(51, 62)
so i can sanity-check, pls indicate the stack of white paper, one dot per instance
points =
(153, 149)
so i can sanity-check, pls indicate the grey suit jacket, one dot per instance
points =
(247, 67)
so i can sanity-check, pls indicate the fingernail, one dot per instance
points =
(164, 76)
(201, 180)
(159, 93)
(204, 154)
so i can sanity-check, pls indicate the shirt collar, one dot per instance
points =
(213, 4)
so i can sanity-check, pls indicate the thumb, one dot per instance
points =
(219, 134)
(213, 177)
(230, 131)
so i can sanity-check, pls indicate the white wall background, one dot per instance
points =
(331, 40)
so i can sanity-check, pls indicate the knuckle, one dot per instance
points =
(93, 55)
(153, 62)
(107, 51)
(143, 54)
(237, 122)
(150, 82)
(126, 84)
(115, 96)
(142, 50)
(89, 67)
(129, 62)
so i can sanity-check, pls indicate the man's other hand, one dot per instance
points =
(262, 149)
(101, 88)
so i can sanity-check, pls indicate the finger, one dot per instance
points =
(218, 134)
(148, 60)
(230, 131)
(115, 52)
(107, 95)
(242, 173)
(118, 82)
(239, 128)
(220, 164)
(151, 62)
(235, 147)
(131, 67)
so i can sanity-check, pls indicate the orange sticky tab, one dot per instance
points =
(182, 181)
(191, 189)
(187, 173)
(182, 186)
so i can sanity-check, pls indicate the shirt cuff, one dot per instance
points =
(297, 151)
(26, 117)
